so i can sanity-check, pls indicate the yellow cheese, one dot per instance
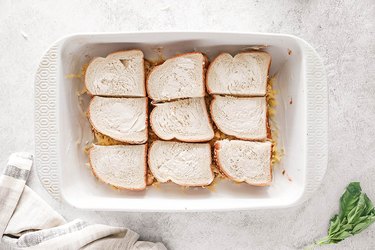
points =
(272, 103)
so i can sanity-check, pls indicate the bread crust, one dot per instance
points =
(205, 62)
(209, 90)
(120, 187)
(114, 53)
(85, 79)
(185, 185)
(117, 139)
(219, 165)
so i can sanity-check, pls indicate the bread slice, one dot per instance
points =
(245, 161)
(186, 164)
(121, 166)
(119, 74)
(242, 117)
(186, 120)
(245, 74)
(123, 119)
(178, 77)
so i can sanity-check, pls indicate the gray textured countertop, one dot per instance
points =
(341, 31)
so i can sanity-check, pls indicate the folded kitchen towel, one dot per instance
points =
(27, 222)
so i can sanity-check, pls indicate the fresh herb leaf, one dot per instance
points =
(340, 236)
(369, 204)
(357, 211)
(350, 198)
(334, 225)
(363, 225)
(356, 214)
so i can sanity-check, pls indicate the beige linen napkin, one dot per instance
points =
(27, 222)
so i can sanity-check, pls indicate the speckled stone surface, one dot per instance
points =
(342, 32)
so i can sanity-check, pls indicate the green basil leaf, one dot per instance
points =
(362, 219)
(369, 205)
(357, 211)
(349, 199)
(344, 221)
(347, 227)
(334, 225)
(363, 225)
(341, 235)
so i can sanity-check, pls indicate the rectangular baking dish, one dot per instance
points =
(61, 128)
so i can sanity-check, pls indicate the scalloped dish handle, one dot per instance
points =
(46, 128)
(317, 120)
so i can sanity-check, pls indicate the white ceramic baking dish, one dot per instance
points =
(62, 129)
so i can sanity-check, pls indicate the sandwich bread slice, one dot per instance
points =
(121, 166)
(242, 117)
(178, 77)
(186, 164)
(245, 161)
(245, 74)
(119, 74)
(185, 120)
(123, 119)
